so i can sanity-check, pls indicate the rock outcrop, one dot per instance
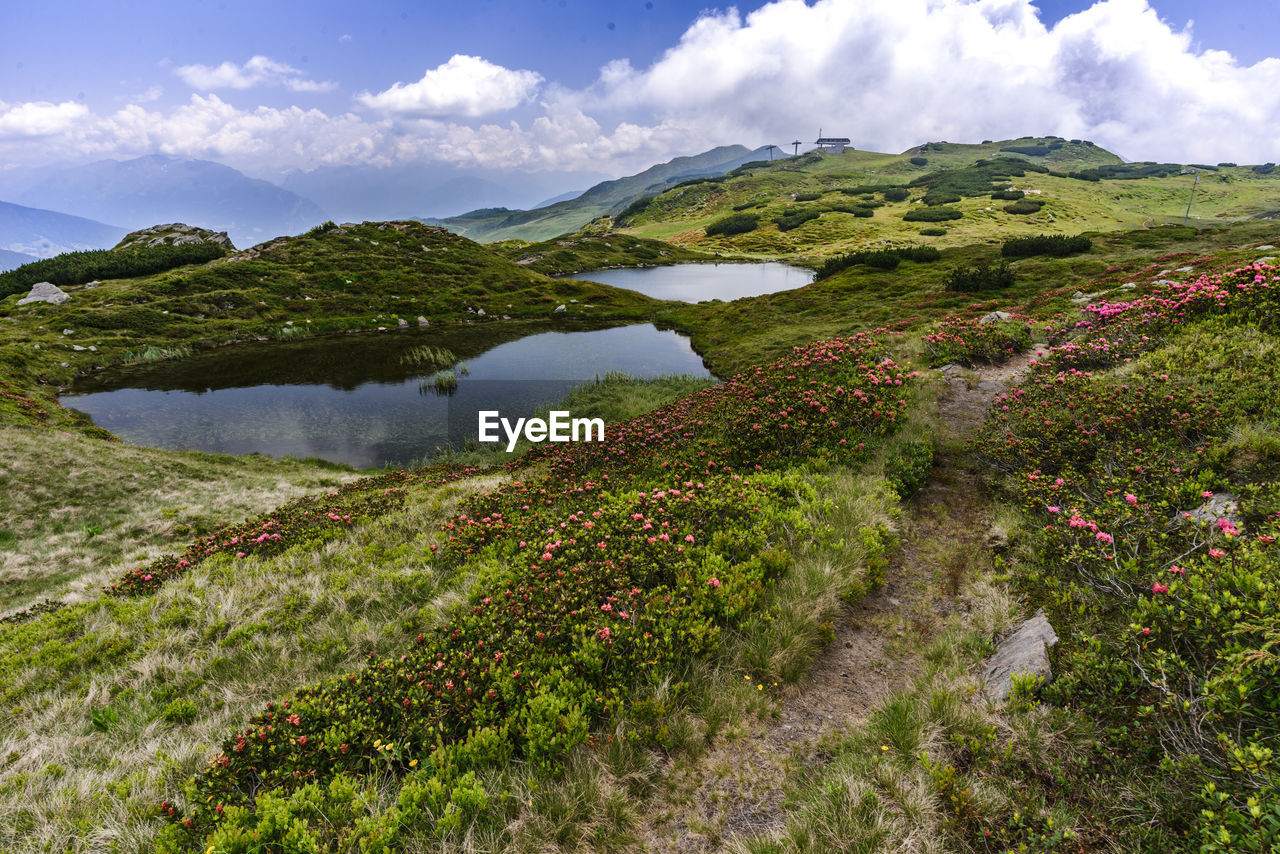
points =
(45, 292)
(1025, 652)
(174, 234)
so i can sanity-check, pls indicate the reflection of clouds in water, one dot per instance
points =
(697, 282)
(378, 422)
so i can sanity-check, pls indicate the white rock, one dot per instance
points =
(45, 292)
(1026, 651)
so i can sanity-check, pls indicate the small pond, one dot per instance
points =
(362, 399)
(698, 282)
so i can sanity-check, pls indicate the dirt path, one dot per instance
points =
(736, 788)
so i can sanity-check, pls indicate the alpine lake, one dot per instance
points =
(399, 397)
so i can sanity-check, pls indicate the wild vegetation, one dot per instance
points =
(496, 655)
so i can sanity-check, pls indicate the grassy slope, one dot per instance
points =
(594, 249)
(1072, 206)
(112, 506)
(379, 571)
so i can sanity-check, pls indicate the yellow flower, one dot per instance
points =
(413, 763)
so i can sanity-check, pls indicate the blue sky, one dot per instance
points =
(568, 84)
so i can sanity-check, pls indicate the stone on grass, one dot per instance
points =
(1025, 652)
(995, 317)
(45, 292)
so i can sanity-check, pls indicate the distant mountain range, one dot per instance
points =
(607, 197)
(160, 189)
(31, 233)
(402, 192)
(10, 260)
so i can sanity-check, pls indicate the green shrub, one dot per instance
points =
(1029, 150)
(182, 711)
(940, 197)
(919, 161)
(631, 211)
(1024, 206)
(896, 194)
(808, 197)
(928, 214)
(908, 469)
(933, 232)
(76, 268)
(983, 277)
(1008, 195)
(884, 259)
(1265, 168)
(786, 222)
(856, 210)
(739, 223)
(1057, 245)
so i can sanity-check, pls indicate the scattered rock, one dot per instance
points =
(573, 300)
(174, 234)
(77, 348)
(997, 540)
(68, 332)
(1267, 259)
(45, 292)
(1220, 505)
(480, 312)
(90, 285)
(422, 321)
(1184, 269)
(1128, 286)
(1266, 246)
(951, 369)
(560, 308)
(1026, 651)
(402, 323)
(994, 317)
(92, 349)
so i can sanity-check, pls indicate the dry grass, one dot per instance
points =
(75, 510)
(226, 638)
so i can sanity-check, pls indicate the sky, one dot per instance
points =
(612, 87)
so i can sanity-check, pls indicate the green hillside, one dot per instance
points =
(604, 199)
(758, 616)
(816, 205)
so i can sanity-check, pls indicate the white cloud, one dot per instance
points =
(887, 73)
(258, 71)
(464, 86)
(893, 73)
(39, 118)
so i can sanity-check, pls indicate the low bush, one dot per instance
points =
(788, 221)
(908, 469)
(940, 197)
(1057, 245)
(808, 197)
(933, 232)
(1024, 206)
(896, 194)
(883, 259)
(76, 268)
(1029, 150)
(982, 277)
(919, 161)
(739, 223)
(1008, 195)
(931, 214)
(631, 211)
(965, 341)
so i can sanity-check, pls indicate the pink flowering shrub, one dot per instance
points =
(608, 567)
(965, 341)
(1174, 621)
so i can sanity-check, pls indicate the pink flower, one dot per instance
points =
(1131, 498)
(1053, 509)
(604, 634)
(1177, 570)
(1206, 494)
(688, 538)
(239, 554)
(1103, 537)
(1157, 587)
(1217, 554)
(713, 582)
